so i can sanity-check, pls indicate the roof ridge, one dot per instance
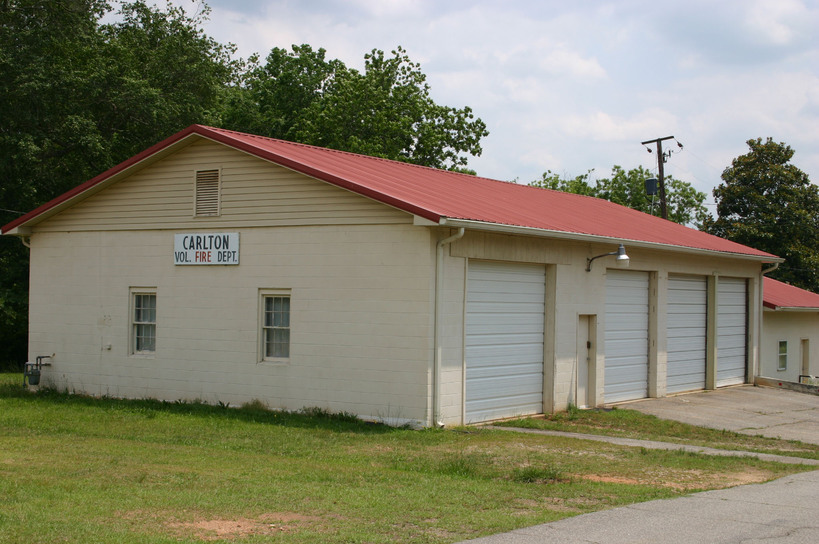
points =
(353, 154)
(524, 186)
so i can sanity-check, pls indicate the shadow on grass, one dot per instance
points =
(252, 412)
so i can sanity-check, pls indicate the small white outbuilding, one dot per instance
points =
(228, 267)
(790, 338)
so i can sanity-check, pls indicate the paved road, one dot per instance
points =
(785, 511)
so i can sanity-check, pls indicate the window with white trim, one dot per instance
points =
(143, 321)
(783, 355)
(274, 335)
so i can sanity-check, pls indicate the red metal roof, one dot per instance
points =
(778, 295)
(439, 194)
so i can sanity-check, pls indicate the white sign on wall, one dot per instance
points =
(220, 248)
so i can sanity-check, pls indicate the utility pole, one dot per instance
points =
(661, 158)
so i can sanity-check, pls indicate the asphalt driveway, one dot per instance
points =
(747, 409)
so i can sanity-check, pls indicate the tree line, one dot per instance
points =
(80, 96)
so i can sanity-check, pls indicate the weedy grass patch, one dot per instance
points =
(81, 469)
(633, 424)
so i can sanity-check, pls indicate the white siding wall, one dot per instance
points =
(579, 293)
(792, 327)
(360, 317)
(359, 274)
(254, 193)
(361, 278)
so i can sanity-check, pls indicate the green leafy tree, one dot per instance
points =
(685, 204)
(160, 74)
(769, 204)
(273, 98)
(45, 51)
(79, 97)
(386, 111)
(578, 185)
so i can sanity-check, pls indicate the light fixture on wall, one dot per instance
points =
(622, 258)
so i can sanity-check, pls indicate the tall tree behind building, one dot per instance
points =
(768, 203)
(79, 97)
(386, 111)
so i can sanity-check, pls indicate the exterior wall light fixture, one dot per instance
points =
(622, 258)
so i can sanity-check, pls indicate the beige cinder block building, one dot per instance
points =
(227, 267)
(790, 339)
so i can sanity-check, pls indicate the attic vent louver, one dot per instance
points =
(207, 192)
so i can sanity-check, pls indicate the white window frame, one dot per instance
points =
(135, 321)
(782, 357)
(266, 328)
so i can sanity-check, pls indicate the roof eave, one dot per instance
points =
(581, 237)
(802, 309)
(165, 147)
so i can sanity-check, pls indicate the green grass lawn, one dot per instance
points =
(77, 469)
(633, 424)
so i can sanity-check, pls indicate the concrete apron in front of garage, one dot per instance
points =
(747, 409)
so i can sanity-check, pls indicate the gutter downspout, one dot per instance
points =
(771, 269)
(26, 241)
(438, 355)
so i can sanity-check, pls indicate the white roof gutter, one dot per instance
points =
(580, 237)
(792, 309)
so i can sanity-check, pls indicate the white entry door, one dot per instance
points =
(732, 334)
(505, 312)
(686, 333)
(626, 350)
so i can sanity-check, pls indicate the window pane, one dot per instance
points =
(285, 316)
(276, 327)
(145, 308)
(145, 337)
(144, 324)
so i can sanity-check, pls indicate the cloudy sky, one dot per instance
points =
(568, 86)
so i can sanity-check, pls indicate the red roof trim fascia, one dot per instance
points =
(226, 139)
(100, 178)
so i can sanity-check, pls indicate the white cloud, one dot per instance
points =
(780, 22)
(562, 61)
(569, 86)
(605, 127)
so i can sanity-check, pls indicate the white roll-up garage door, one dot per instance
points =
(626, 336)
(687, 315)
(732, 336)
(505, 312)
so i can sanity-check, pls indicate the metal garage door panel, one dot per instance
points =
(686, 333)
(504, 340)
(626, 336)
(732, 304)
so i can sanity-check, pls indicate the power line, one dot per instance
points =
(662, 157)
